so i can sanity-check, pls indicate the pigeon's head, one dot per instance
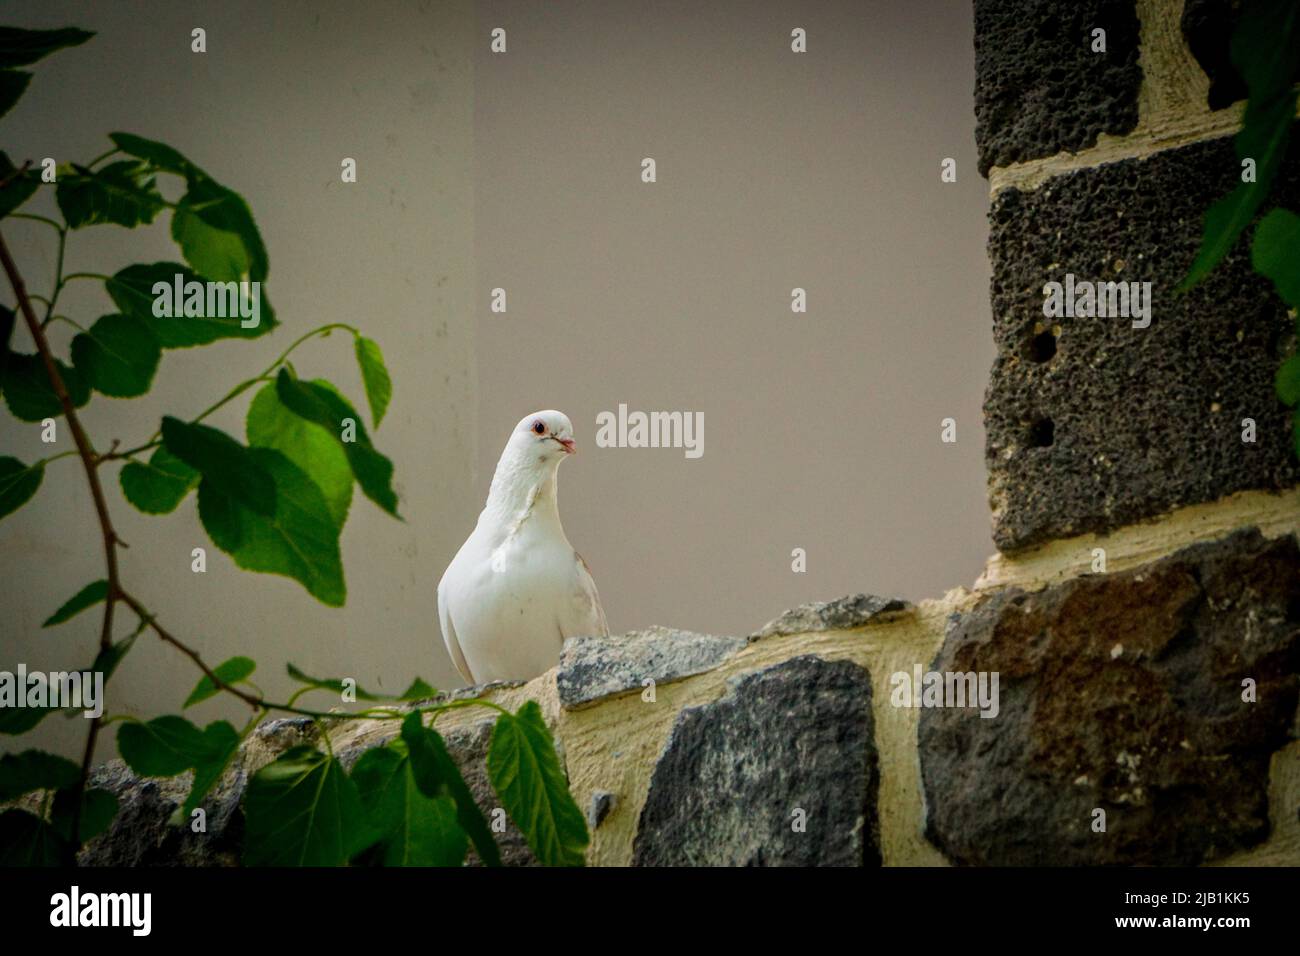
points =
(548, 434)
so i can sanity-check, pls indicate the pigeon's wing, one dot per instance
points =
(449, 636)
(589, 600)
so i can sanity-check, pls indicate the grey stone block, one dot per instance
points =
(1121, 692)
(1091, 423)
(1040, 89)
(728, 786)
(842, 614)
(592, 668)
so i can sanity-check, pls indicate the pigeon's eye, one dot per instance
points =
(539, 427)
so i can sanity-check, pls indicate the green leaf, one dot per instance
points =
(227, 466)
(20, 188)
(419, 690)
(132, 290)
(26, 840)
(318, 402)
(35, 770)
(90, 595)
(98, 807)
(221, 743)
(216, 232)
(374, 374)
(302, 809)
(309, 446)
(21, 47)
(159, 485)
(120, 193)
(417, 830)
(117, 356)
(13, 83)
(18, 482)
(231, 672)
(1275, 253)
(300, 541)
(436, 773)
(29, 394)
(526, 774)
(158, 154)
(163, 747)
(211, 251)
(19, 720)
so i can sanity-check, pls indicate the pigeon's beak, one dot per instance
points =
(569, 444)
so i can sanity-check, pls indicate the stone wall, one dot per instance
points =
(1147, 566)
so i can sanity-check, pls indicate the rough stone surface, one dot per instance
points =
(595, 667)
(1121, 692)
(842, 614)
(1091, 423)
(602, 802)
(141, 834)
(795, 736)
(1040, 89)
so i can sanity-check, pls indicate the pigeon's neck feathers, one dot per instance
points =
(524, 488)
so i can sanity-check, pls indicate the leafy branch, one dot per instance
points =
(275, 502)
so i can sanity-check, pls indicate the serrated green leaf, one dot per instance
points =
(22, 47)
(92, 594)
(302, 809)
(323, 405)
(18, 482)
(13, 83)
(374, 375)
(98, 807)
(209, 215)
(17, 189)
(231, 671)
(158, 154)
(118, 356)
(271, 425)
(19, 720)
(35, 770)
(417, 830)
(29, 394)
(158, 485)
(26, 840)
(163, 747)
(436, 774)
(212, 252)
(300, 541)
(227, 467)
(526, 774)
(118, 194)
(336, 685)
(1275, 253)
(132, 290)
(221, 743)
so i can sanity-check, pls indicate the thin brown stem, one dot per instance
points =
(87, 453)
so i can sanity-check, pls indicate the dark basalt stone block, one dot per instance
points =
(1039, 87)
(1091, 423)
(1123, 693)
(782, 771)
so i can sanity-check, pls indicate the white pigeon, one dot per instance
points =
(516, 588)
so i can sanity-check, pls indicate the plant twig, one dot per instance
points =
(87, 453)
